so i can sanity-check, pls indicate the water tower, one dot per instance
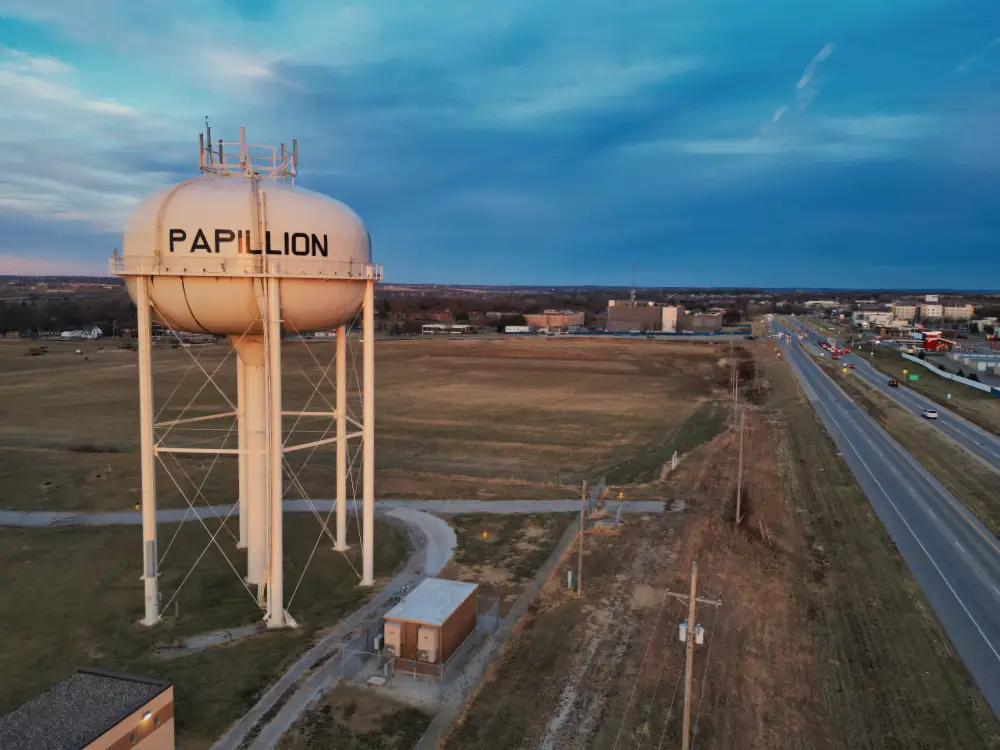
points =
(239, 251)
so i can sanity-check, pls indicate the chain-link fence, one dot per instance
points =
(361, 662)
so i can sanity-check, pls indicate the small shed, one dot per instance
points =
(432, 621)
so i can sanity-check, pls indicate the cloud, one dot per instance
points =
(484, 141)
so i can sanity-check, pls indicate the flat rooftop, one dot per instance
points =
(78, 710)
(432, 602)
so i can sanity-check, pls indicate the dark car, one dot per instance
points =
(894, 383)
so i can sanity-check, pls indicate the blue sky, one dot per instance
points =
(714, 142)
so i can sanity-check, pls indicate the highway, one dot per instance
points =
(954, 558)
(971, 437)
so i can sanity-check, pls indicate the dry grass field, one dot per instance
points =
(823, 639)
(469, 418)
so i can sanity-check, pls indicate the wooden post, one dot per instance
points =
(579, 566)
(689, 665)
(739, 473)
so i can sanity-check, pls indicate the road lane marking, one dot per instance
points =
(959, 546)
(909, 528)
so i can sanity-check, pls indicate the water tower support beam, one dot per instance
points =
(147, 457)
(368, 492)
(341, 545)
(241, 427)
(275, 582)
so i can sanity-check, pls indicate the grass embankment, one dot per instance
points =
(976, 406)
(703, 424)
(72, 598)
(886, 669)
(972, 482)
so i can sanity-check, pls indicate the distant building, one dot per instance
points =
(871, 318)
(668, 318)
(95, 710)
(904, 311)
(433, 329)
(824, 303)
(634, 316)
(700, 322)
(556, 320)
(517, 329)
(957, 313)
(931, 310)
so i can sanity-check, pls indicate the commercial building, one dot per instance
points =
(669, 316)
(904, 311)
(957, 313)
(432, 621)
(436, 329)
(634, 316)
(95, 710)
(700, 322)
(871, 318)
(556, 320)
(931, 311)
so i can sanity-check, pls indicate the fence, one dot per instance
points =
(360, 661)
(949, 376)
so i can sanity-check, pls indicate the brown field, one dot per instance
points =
(823, 639)
(455, 419)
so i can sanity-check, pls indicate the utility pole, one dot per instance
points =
(579, 566)
(691, 634)
(689, 664)
(739, 472)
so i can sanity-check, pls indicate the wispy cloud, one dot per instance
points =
(968, 62)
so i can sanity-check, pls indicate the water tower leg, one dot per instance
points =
(275, 582)
(253, 409)
(341, 545)
(147, 458)
(241, 428)
(368, 430)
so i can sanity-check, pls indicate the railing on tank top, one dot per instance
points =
(249, 265)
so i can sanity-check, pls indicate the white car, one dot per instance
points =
(930, 413)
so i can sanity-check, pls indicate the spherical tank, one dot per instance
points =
(202, 241)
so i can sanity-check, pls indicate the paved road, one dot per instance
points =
(953, 557)
(293, 692)
(178, 515)
(973, 438)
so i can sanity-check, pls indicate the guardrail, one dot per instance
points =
(950, 376)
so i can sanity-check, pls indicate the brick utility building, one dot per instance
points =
(95, 710)
(556, 320)
(432, 621)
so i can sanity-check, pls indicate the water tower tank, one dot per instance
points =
(203, 241)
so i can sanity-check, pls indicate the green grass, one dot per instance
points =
(701, 426)
(72, 598)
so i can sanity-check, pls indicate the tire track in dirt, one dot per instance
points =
(577, 714)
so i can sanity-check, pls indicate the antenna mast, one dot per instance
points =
(632, 297)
